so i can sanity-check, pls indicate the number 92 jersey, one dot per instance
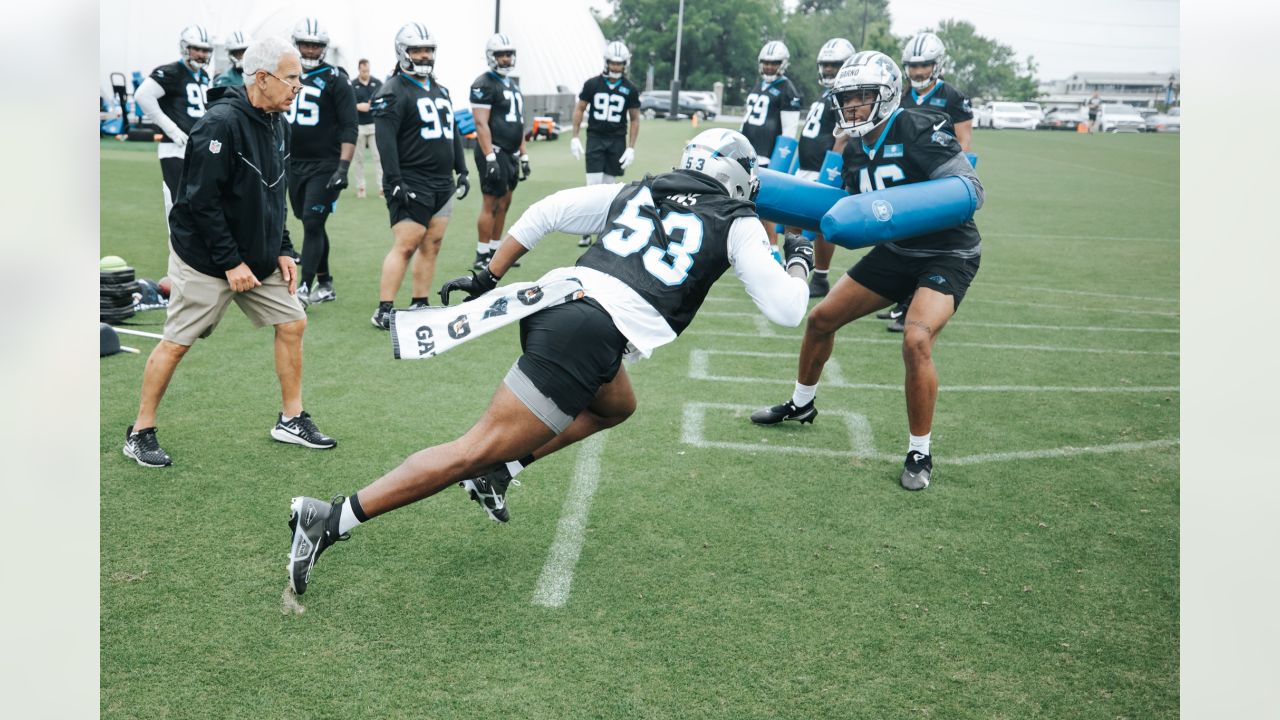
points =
(418, 117)
(762, 122)
(184, 93)
(607, 104)
(323, 115)
(667, 238)
(913, 147)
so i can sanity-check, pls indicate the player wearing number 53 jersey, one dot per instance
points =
(889, 146)
(421, 150)
(663, 242)
(773, 105)
(174, 97)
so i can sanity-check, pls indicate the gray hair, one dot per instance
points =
(265, 54)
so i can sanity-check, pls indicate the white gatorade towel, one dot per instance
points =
(427, 332)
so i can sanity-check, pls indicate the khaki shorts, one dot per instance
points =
(197, 302)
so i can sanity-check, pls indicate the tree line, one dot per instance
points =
(721, 41)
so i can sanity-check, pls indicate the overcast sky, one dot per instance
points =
(1064, 37)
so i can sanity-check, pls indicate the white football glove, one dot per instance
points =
(575, 148)
(628, 156)
(179, 138)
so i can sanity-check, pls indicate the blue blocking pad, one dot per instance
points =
(900, 212)
(794, 202)
(785, 157)
(829, 174)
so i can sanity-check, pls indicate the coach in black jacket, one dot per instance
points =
(230, 243)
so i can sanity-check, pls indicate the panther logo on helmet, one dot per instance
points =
(725, 156)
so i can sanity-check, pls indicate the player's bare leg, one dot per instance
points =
(929, 312)
(407, 236)
(847, 301)
(424, 261)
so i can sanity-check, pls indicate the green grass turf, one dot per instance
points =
(712, 583)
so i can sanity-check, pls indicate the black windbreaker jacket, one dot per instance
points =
(231, 200)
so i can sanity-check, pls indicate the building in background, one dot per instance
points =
(1148, 89)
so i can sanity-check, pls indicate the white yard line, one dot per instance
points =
(764, 327)
(139, 333)
(949, 343)
(969, 299)
(1082, 293)
(1103, 238)
(557, 573)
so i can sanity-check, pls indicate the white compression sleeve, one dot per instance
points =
(576, 211)
(783, 298)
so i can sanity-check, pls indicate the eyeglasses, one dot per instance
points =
(294, 83)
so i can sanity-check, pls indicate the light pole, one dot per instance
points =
(675, 82)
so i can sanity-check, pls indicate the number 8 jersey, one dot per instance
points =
(607, 104)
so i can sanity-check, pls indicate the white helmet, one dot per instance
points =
(500, 42)
(415, 35)
(725, 156)
(194, 36)
(238, 42)
(925, 48)
(775, 51)
(616, 52)
(835, 52)
(868, 70)
(308, 30)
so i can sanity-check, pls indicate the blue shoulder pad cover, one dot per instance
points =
(901, 212)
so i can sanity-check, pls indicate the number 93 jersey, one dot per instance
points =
(607, 104)
(184, 93)
(501, 96)
(913, 147)
(667, 238)
(323, 115)
(762, 119)
(418, 116)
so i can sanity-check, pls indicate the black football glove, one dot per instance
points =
(478, 284)
(339, 179)
(491, 168)
(524, 168)
(402, 193)
(463, 187)
(798, 250)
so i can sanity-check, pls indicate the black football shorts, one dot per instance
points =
(894, 276)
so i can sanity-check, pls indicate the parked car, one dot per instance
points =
(1117, 117)
(1065, 119)
(982, 116)
(1010, 115)
(657, 103)
(1165, 122)
(1036, 111)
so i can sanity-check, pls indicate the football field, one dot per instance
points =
(686, 564)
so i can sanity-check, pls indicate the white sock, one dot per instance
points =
(804, 394)
(920, 443)
(284, 419)
(348, 519)
(493, 245)
(823, 273)
(514, 467)
(482, 247)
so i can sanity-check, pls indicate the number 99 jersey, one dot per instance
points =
(607, 104)
(762, 118)
(184, 94)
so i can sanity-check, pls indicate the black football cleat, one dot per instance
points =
(893, 313)
(916, 471)
(301, 430)
(314, 525)
(785, 411)
(490, 490)
(819, 286)
(381, 318)
(143, 447)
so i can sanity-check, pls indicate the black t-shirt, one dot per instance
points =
(765, 104)
(323, 115)
(363, 94)
(912, 146)
(416, 134)
(184, 94)
(816, 136)
(667, 239)
(506, 109)
(942, 98)
(607, 104)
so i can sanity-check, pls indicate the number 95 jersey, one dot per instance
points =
(323, 115)
(762, 119)
(184, 94)
(607, 104)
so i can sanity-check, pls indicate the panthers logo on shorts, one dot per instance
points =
(459, 328)
(530, 296)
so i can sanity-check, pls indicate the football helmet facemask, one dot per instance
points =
(500, 43)
(725, 156)
(616, 52)
(868, 71)
(308, 30)
(413, 36)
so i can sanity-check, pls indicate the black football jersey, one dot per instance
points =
(607, 104)
(766, 102)
(365, 93)
(184, 93)
(914, 144)
(506, 109)
(941, 98)
(323, 115)
(667, 239)
(415, 131)
(816, 136)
